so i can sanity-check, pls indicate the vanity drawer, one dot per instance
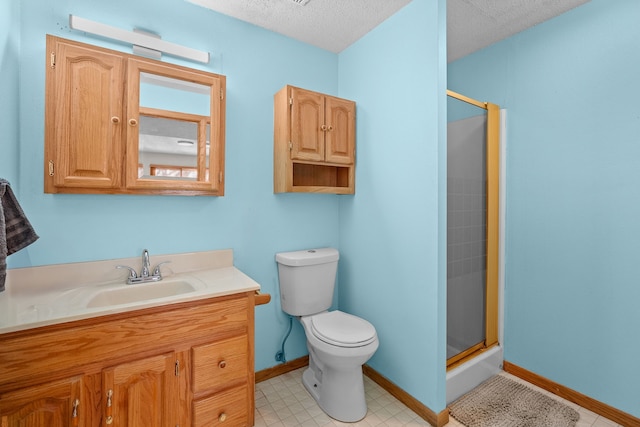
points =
(228, 408)
(217, 364)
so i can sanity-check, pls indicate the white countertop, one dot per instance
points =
(47, 295)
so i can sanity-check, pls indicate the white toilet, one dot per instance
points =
(339, 343)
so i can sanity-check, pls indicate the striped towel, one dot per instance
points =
(15, 230)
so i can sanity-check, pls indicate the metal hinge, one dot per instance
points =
(220, 177)
(52, 60)
(221, 94)
(50, 167)
(290, 145)
(291, 100)
(177, 371)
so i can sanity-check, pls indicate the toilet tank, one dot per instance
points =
(307, 280)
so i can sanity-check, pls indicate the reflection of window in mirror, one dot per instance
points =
(174, 171)
(172, 112)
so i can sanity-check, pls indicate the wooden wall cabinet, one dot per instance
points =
(112, 120)
(189, 364)
(314, 142)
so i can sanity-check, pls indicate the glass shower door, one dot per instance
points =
(471, 201)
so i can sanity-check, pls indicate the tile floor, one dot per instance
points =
(283, 402)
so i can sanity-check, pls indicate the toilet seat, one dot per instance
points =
(342, 329)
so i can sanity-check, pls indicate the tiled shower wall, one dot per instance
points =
(466, 232)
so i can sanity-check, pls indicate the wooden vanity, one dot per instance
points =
(188, 363)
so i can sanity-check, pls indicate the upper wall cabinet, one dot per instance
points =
(120, 124)
(314, 142)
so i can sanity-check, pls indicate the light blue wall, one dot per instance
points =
(571, 90)
(391, 232)
(9, 53)
(249, 218)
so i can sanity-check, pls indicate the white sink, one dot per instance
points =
(140, 292)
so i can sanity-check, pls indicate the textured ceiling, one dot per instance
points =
(475, 24)
(329, 24)
(335, 24)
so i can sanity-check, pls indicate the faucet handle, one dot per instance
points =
(156, 271)
(132, 272)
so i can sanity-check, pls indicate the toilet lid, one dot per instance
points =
(342, 329)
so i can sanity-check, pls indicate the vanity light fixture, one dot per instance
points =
(137, 39)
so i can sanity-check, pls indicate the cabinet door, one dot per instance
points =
(84, 140)
(142, 393)
(167, 107)
(55, 404)
(340, 130)
(307, 125)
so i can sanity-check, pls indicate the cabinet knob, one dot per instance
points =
(222, 364)
(222, 417)
(133, 122)
(323, 127)
(330, 128)
(115, 119)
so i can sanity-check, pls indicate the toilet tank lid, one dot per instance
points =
(308, 257)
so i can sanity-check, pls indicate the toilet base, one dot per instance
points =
(339, 393)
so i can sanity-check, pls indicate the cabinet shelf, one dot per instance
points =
(321, 178)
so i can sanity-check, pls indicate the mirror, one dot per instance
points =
(179, 140)
(168, 142)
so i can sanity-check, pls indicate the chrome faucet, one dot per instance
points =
(145, 264)
(145, 273)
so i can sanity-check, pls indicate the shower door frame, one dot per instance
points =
(493, 231)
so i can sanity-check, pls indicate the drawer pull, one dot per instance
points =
(222, 417)
(222, 364)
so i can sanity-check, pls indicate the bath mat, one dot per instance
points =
(501, 402)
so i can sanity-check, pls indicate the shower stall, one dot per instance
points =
(473, 249)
